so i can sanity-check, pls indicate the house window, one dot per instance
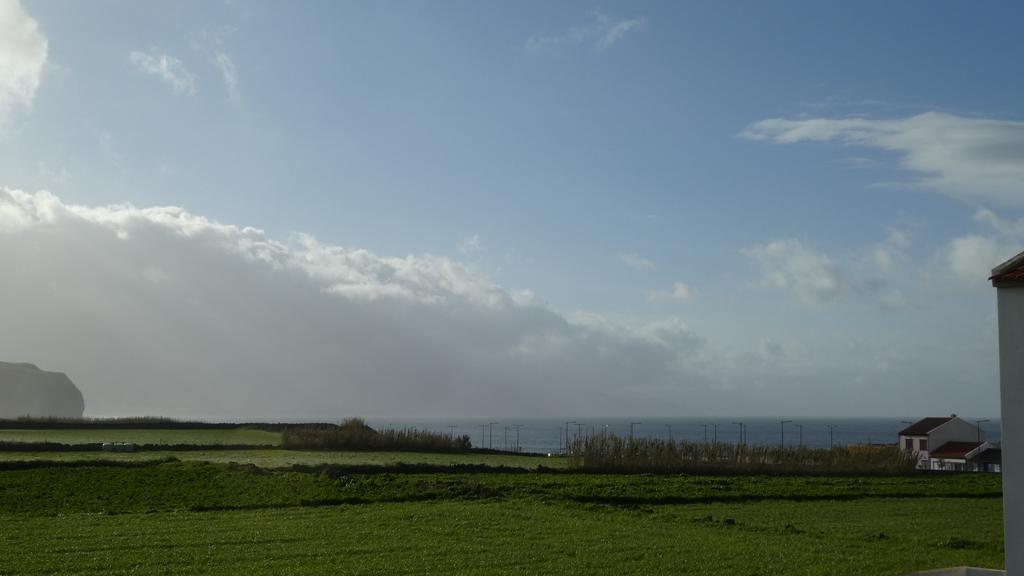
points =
(908, 444)
(922, 444)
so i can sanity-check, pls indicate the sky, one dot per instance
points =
(464, 209)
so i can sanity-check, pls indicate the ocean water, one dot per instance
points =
(548, 435)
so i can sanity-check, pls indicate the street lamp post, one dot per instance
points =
(782, 432)
(517, 427)
(978, 424)
(490, 435)
(742, 433)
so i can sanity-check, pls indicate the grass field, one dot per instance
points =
(189, 517)
(274, 458)
(866, 537)
(237, 436)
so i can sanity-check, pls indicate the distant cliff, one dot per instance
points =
(25, 390)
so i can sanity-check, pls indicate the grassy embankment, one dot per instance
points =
(351, 443)
(170, 436)
(276, 458)
(180, 518)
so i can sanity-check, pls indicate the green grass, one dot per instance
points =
(195, 517)
(149, 487)
(867, 537)
(281, 458)
(237, 436)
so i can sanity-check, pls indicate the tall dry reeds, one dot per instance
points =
(611, 453)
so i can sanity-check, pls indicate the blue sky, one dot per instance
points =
(807, 188)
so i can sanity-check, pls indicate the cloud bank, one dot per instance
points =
(156, 310)
(161, 311)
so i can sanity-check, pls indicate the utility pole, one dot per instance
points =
(801, 428)
(743, 439)
(705, 426)
(567, 435)
(490, 433)
(579, 429)
(517, 427)
(631, 425)
(714, 426)
(782, 432)
(483, 434)
(831, 427)
(978, 424)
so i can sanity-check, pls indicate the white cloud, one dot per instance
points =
(617, 30)
(789, 265)
(888, 256)
(23, 54)
(171, 70)
(1011, 229)
(212, 44)
(635, 261)
(601, 33)
(471, 245)
(971, 258)
(971, 159)
(199, 317)
(680, 292)
(229, 74)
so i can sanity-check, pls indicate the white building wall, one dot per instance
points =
(1011, 376)
(922, 455)
(956, 430)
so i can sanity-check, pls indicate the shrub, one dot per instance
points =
(355, 434)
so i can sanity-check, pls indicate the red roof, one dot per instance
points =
(1009, 273)
(1015, 275)
(954, 449)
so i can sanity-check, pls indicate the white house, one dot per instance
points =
(944, 443)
